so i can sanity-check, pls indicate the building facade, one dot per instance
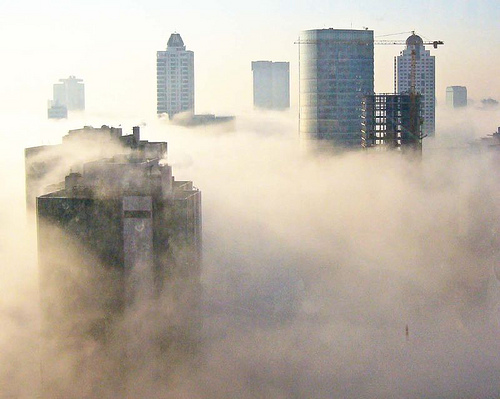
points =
(424, 78)
(271, 85)
(336, 71)
(121, 234)
(456, 96)
(392, 122)
(175, 78)
(70, 93)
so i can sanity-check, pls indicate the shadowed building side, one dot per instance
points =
(130, 235)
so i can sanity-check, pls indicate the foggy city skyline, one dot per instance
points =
(361, 274)
(125, 36)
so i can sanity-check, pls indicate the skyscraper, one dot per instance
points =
(425, 77)
(175, 78)
(70, 93)
(456, 96)
(336, 71)
(271, 84)
(121, 234)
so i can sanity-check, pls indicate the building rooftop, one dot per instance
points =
(414, 40)
(175, 40)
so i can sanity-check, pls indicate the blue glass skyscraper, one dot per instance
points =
(336, 71)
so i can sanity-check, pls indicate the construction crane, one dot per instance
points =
(413, 71)
(414, 111)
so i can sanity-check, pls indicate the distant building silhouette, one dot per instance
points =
(70, 93)
(271, 84)
(456, 96)
(425, 77)
(336, 71)
(175, 78)
(57, 111)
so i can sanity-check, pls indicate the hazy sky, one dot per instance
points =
(112, 45)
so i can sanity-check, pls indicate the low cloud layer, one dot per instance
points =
(313, 268)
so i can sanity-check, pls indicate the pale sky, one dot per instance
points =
(112, 46)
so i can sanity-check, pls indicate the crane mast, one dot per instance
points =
(414, 96)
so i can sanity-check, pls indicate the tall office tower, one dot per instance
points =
(271, 84)
(336, 71)
(392, 122)
(456, 96)
(47, 165)
(119, 250)
(425, 77)
(175, 78)
(70, 93)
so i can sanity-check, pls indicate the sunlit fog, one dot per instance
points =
(289, 273)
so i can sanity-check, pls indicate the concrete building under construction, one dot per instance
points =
(392, 122)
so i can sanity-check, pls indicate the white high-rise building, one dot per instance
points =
(425, 79)
(175, 78)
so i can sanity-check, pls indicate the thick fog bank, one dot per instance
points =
(313, 269)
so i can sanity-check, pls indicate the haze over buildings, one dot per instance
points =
(336, 71)
(175, 78)
(425, 78)
(271, 85)
(456, 96)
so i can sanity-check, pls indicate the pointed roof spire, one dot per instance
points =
(175, 40)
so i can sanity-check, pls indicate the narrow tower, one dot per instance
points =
(175, 78)
(421, 76)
